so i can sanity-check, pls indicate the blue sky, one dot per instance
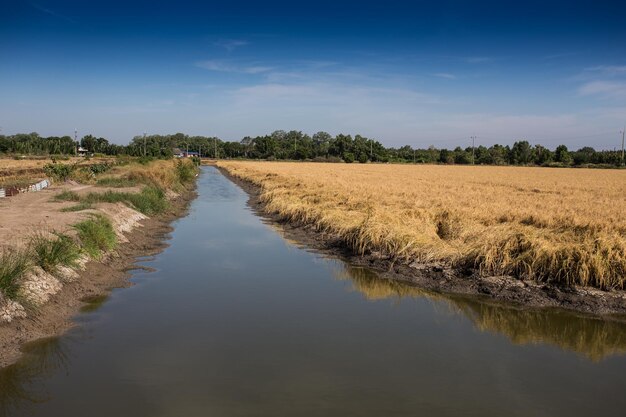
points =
(416, 73)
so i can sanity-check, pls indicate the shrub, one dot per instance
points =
(96, 235)
(348, 157)
(59, 172)
(186, 171)
(50, 253)
(96, 169)
(145, 160)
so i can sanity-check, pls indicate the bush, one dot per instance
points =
(145, 160)
(50, 253)
(348, 157)
(96, 235)
(186, 171)
(96, 169)
(12, 265)
(55, 158)
(59, 172)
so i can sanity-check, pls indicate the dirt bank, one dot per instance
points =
(98, 278)
(442, 279)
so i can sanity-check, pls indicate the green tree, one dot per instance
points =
(562, 155)
(521, 153)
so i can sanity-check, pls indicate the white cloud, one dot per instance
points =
(51, 12)
(445, 75)
(478, 59)
(609, 70)
(605, 89)
(230, 44)
(230, 66)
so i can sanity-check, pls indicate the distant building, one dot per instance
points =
(82, 151)
(184, 154)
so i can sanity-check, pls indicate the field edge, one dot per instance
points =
(444, 279)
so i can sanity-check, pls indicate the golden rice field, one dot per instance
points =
(565, 226)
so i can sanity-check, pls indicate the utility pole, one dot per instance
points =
(371, 154)
(473, 151)
(76, 140)
(215, 147)
(623, 131)
(200, 151)
(144, 144)
(413, 155)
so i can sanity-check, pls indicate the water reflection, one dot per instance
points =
(93, 303)
(592, 337)
(22, 384)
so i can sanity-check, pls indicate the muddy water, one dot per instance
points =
(236, 321)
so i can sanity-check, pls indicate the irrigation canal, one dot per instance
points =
(237, 321)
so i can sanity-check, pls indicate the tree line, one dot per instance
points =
(295, 145)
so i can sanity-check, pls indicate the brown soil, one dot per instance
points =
(442, 279)
(97, 279)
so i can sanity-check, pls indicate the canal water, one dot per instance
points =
(237, 321)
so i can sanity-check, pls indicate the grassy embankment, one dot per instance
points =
(95, 234)
(566, 226)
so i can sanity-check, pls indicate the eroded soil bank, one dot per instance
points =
(440, 278)
(96, 279)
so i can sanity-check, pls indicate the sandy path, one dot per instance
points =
(28, 213)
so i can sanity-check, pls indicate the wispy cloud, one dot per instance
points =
(603, 81)
(230, 44)
(478, 59)
(51, 12)
(608, 70)
(606, 89)
(231, 66)
(445, 75)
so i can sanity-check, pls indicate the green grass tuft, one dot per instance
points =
(150, 201)
(67, 196)
(50, 253)
(96, 235)
(78, 207)
(13, 264)
(116, 182)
